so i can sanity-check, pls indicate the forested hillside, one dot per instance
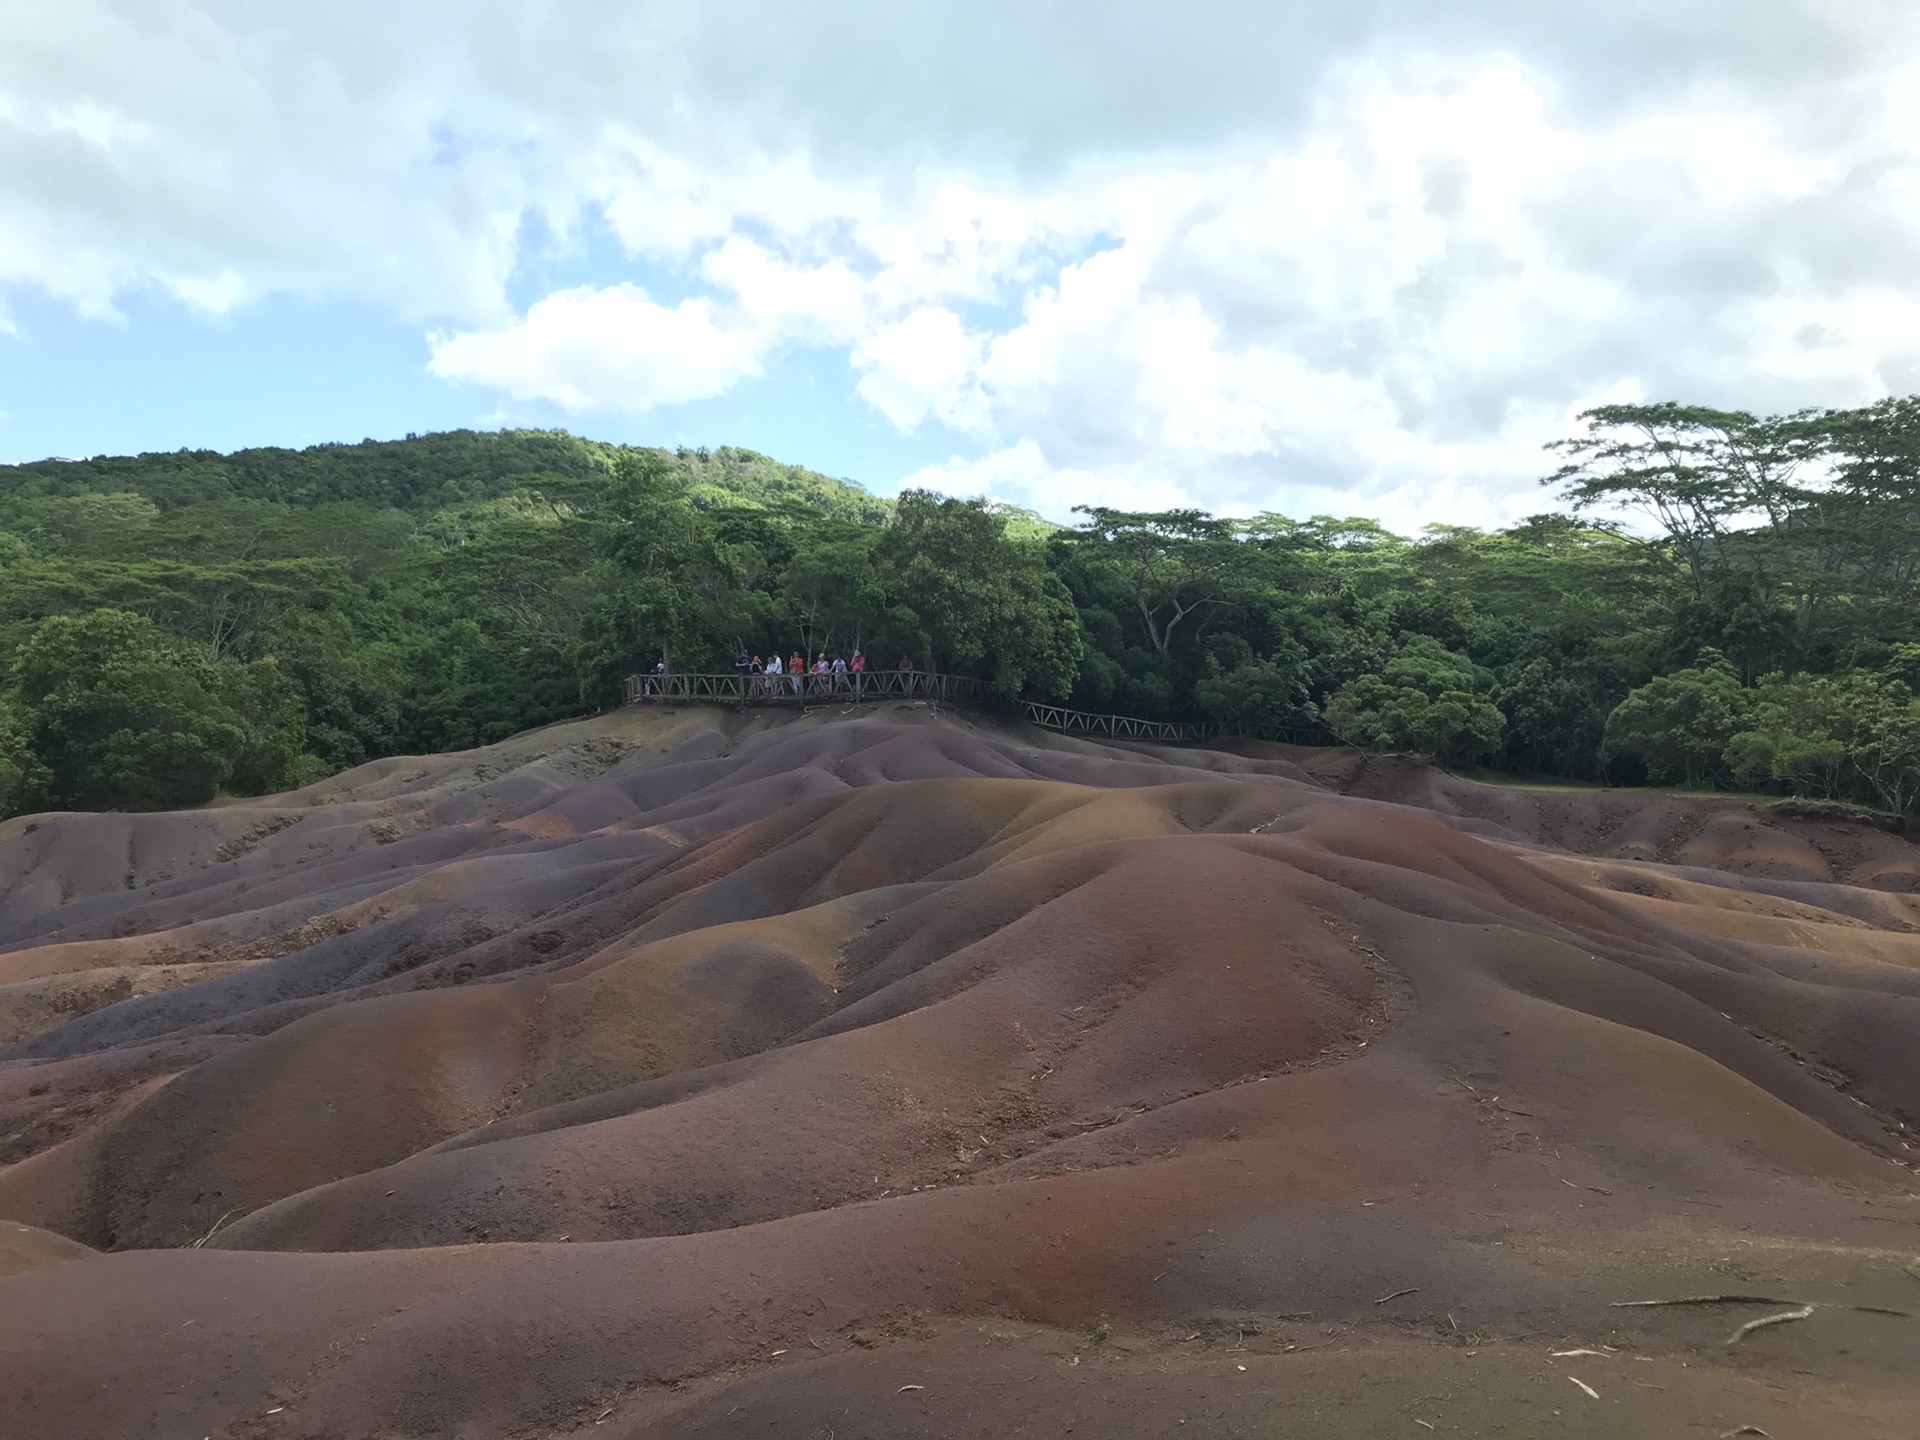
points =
(190, 624)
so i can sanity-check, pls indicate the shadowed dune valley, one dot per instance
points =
(903, 1073)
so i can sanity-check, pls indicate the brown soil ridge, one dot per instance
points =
(646, 1073)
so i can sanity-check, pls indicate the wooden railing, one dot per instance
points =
(803, 690)
(1178, 732)
(1315, 734)
(1055, 717)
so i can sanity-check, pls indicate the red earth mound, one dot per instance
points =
(690, 1073)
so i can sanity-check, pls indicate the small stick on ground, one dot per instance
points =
(1396, 1295)
(1705, 1300)
(1596, 1189)
(209, 1235)
(1585, 1389)
(1805, 1312)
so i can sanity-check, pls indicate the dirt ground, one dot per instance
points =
(1271, 1380)
(686, 1072)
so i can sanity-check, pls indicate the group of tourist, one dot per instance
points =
(824, 674)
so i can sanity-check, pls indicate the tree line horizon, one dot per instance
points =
(183, 625)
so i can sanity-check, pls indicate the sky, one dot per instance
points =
(1357, 258)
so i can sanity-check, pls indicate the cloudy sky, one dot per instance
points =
(1243, 254)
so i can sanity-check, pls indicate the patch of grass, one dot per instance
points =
(1500, 780)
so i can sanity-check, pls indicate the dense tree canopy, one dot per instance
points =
(115, 710)
(190, 624)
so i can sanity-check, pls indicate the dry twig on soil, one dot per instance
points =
(209, 1235)
(1706, 1300)
(1805, 1312)
(1802, 1309)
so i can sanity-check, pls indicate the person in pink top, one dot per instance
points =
(858, 664)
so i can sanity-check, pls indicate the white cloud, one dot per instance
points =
(1394, 314)
(1237, 253)
(824, 304)
(920, 365)
(1022, 475)
(611, 349)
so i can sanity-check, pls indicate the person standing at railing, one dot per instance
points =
(797, 671)
(839, 672)
(771, 680)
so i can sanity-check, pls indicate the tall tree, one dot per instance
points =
(122, 716)
(1176, 565)
(986, 601)
(1695, 470)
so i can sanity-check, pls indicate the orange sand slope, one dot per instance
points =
(489, 1094)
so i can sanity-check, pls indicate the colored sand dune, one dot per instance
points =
(688, 1073)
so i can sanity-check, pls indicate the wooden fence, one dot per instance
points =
(804, 690)
(1055, 717)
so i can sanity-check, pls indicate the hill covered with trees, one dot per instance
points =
(183, 625)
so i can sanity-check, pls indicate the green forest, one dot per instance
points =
(180, 626)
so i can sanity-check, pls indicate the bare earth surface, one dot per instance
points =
(680, 1073)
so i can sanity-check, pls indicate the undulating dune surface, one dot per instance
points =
(895, 1073)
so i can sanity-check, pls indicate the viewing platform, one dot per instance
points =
(805, 691)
